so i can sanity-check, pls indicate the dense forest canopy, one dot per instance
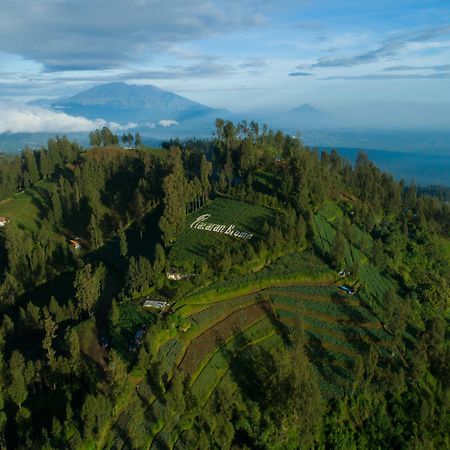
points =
(328, 327)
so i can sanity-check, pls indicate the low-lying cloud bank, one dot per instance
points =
(20, 118)
(167, 122)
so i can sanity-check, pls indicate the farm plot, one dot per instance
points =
(330, 211)
(375, 285)
(216, 311)
(338, 325)
(334, 307)
(325, 234)
(194, 244)
(216, 373)
(294, 268)
(207, 342)
(216, 367)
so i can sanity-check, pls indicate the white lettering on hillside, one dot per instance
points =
(200, 223)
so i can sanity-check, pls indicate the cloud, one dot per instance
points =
(253, 62)
(118, 127)
(20, 118)
(411, 68)
(105, 34)
(384, 76)
(300, 74)
(17, 118)
(414, 41)
(167, 122)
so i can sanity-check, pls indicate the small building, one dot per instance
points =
(3, 221)
(344, 273)
(177, 274)
(174, 274)
(157, 304)
(75, 243)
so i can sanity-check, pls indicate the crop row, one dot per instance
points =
(330, 211)
(301, 267)
(337, 310)
(323, 337)
(376, 285)
(214, 336)
(338, 328)
(192, 244)
(216, 313)
(325, 234)
(307, 290)
(218, 364)
(216, 372)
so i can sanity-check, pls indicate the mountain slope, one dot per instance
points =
(122, 103)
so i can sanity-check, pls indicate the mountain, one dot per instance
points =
(306, 108)
(305, 116)
(148, 106)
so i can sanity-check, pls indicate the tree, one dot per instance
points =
(130, 138)
(137, 140)
(116, 371)
(140, 274)
(160, 260)
(205, 172)
(114, 315)
(123, 242)
(87, 286)
(50, 327)
(174, 187)
(17, 391)
(95, 233)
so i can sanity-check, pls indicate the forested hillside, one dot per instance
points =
(239, 292)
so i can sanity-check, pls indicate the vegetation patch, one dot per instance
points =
(193, 245)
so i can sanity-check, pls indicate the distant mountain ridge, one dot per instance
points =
(306, 116)
(123, 103)
(306, 108)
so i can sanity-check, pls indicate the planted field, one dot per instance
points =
(219, 362)
(334, 307)
(375, 285)
(215, 336)
(196, 241)
(334, 324)
(215, 373)
(330, 211)
(295, 268)
(325, 233)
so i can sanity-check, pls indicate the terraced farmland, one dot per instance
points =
(338, 329)
(221, 332)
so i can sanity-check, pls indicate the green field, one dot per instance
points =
(371, 284)
(29, 207)
(193, 245)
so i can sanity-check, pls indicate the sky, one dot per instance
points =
(372, 63)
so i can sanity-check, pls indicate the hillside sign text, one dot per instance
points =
(200, 223)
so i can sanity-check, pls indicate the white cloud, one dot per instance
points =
(65, 35)
(19, 118)
(114, 126)
(167, 122)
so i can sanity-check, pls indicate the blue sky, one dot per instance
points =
(372, 63)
